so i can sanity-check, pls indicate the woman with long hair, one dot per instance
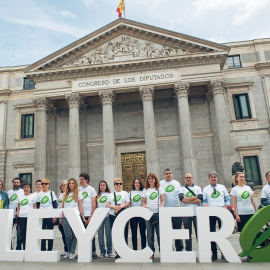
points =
(102, 198)
(3, 196)
(153, 199)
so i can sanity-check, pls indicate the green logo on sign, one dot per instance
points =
(214, 196)
(103, 199)
(137, 198)
(169, 188)
(245, 195)
(44, 200)
(118, 198)
(13, 197)
(189, 194)
(153, 195)
(85, 195)
(252, 240)
(68, 199)
(24, 202)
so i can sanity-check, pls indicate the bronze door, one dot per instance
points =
(133, 165)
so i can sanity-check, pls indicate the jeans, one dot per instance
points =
(47, 224)
(188, 225)
(213, 224)
(108, 232)
(134, 222)
(21, 232)
(70, 236)
(61, 229)
(177, 224)
(150, 234)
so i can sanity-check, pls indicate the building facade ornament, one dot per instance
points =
(106, 96)
(216, 87)
(209, 97)
(181, 89)
(51, 113)
(41, 104)
(146, 92)
(74, 100)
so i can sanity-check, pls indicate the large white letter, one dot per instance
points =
(6, 222)
(119, 243)
(85, 236)
(205, 236)
(35, 234)
(167, 235)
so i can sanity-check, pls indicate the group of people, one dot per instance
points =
(155, 194)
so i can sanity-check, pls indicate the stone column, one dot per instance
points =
(216, 88)
(181, 90)
(107, 98)
(152, 162)
(74, 102)
(83, 138)
(41, 105)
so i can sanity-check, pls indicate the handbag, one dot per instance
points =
(116, 214)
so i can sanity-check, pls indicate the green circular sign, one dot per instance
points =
(24, 202)
(85, 195)
(118, 198)
(137, 198)
(69, 199)
(189, 194)
(103, 199)
(214, 196)
(13, 197)
(44, 200)
(153, 195)
(169, 188)
(245, 195)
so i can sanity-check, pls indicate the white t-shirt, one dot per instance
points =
(196, 190)
(153, 198)
(135, 198)
(103, 199)
(88, 193)
(121, 198)
(243, 197)
(70, 203)
(266, 193)
(45, 200)
(13, 196)
(60, 199)
(26, 203)
(215, 200)
(171, 191)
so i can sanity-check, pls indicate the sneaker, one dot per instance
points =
(117, 256)
(66, 256)
(64, 253)
(94, 255)
(101, 256)
(72, 256)
(110, 255)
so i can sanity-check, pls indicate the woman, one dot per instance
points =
(26, 202)
(122, 202)
(153, 198)
(46, 199)
(242, 197)
(72, 198)
(63, 187)
(3, 197)
(102, 198)
(136, 200)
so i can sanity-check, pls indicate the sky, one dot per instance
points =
(32, 29)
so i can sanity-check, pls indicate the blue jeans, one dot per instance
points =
(70, 236)
(150, 234)
(105, 225)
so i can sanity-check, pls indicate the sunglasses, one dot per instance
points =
(44, 184)
(119, 184)
(63, 185)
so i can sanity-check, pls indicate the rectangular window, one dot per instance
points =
(252, 168)
(241, 106)
(26, 177)
(28, 84)
(234, 61)
(27, 126)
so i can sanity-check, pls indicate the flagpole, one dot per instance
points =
(124, 9)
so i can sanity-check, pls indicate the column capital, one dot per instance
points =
(181, 89)
(41, 104)
(146, 92)
(74, 100)
(51, 113)
(106, 96)
(209, 97)
(216, 87)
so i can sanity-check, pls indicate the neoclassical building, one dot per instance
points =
(129, 99)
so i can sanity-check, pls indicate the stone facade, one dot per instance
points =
(133, 87)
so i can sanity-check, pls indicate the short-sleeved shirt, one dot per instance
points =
(197, 191)
(266, 193)
(13, 196)
(102, 200)
(152, 196)
(88, 193)
(243, 197)
(215, 199)
(60, 199)
(121, 198)
(71, 203)
(171, 190)
(26, 203)
(135, 197)
(45, 199)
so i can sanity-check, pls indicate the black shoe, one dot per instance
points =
(222, 257)
(214, 257)
(117, 256)
(94, 255)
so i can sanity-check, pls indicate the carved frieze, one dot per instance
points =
(74, 100)
(181, 89)
(216, 87)
(41, 104)
(106, 96)
(146, 92)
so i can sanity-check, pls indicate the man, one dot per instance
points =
(172, 188)
(191, 196)
(38, 187)
(88, 204)
(265, 195)
(215, 195)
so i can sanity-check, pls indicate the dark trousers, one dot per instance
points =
(112, 219)
(188, 225)
(134, 222)
(213, 225)
(61, 229)
(21, 233)
(47, 224)
(177, 224)
(244, 219)
(94, 240)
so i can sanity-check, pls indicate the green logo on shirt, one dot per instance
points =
(69, 199)
(245, 195)
(118, 198)
(13, 197)
(214, 196)
(153, 195)
(24, 202)
(137, 198)
(189, 194)
(85, 195)
(103, 199)
(169, 188)
(44, 200)
(60, 200)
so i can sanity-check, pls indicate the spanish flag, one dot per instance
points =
(120, 8)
